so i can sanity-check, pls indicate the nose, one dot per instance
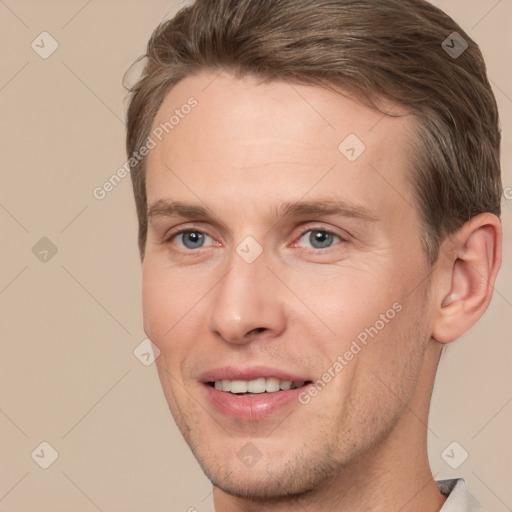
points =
(247, 303)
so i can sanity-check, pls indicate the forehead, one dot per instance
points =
(244, 140)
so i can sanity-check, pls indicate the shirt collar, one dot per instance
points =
(459, 499)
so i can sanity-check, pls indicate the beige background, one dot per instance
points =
(68, 375)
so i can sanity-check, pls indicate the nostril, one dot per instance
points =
(257, 330)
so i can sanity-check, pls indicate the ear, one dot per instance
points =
(471, 258)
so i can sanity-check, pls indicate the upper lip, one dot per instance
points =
(249, 373)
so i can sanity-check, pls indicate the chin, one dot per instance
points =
(271, 478)
(262, 486)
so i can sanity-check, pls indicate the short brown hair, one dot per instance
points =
(378, 49)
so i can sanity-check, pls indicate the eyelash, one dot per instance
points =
(171, 237)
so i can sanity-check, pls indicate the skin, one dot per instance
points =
(360, 444)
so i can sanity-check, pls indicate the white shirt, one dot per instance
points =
(459, 499)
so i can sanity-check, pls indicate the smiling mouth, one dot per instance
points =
(256, 386)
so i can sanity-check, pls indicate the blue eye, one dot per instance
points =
(319, 239)
(191, 239)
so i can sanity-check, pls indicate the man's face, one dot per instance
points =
(296, 254)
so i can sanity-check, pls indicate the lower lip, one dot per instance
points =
(251, 408)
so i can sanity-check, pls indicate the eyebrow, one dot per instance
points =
(165, 208)
(325, 207)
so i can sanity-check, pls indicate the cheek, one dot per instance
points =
(347, 300)
(172, 303)
(153, 306)
(162, 303)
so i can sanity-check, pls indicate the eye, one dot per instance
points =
(319, 238)
(190, 239)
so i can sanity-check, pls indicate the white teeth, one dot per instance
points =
(272, 385)
(256, 386)
(286, 385)
(238, 386)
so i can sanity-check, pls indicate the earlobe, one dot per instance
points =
(468, 273)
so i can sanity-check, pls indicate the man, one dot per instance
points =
(318, 190)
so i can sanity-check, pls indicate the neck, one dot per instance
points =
(395, 475)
